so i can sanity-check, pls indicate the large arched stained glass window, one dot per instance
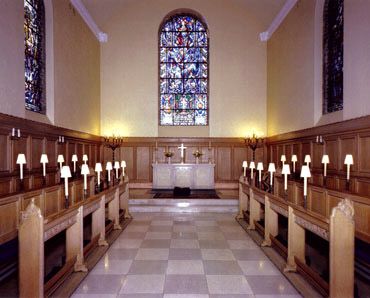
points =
(183, 56)
(34, 59)
(333, 56)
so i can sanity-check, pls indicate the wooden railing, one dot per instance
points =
(338, 229)
(38, 226)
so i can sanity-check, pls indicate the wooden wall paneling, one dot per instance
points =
(259, 155)
(348, 145)
(291, 191)
(37, 179)
(288, 154)
(71, 146)
(333, 202)
(143, 163)
(176, 158)
(62, 149)
(5, 186)
(280, 152)
(52, 199)
(4, 153)
(223, 164)
(207, 154)
(9, 218)
(363, 187)
(160, 154)
(20, 146)
(189, 157)
(364, 145)
(50, 148)
(318, 201)
(240, 154)
(274, 153)
(127, 154)
(37, 148)
(331, 148)
(362, 217)
(80, 152)
(306, 149)
(331, 182)
(317, 153)
(107, 155)
(297, 151)
(39, 201)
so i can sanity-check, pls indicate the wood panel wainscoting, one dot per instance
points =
(37, 138)
(226, 153)
(339, 139)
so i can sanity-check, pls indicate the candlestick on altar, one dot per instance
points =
(307, 159)
(21, 160)
(260, 169)
(116, 167)
(286, 172)
(294, 160)
(98, 170)
(60, 160)
(123, 166)
(325, 161)
(85, 158)
(305, 174)
(252, 166)
(66, 173)
(283, 159)
(348, 161)
(182, 149)
(74, 160)
(272, 170)
(108, 167)
(85, 171)
(245, 166)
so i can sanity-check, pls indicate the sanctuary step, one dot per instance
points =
(184, 205)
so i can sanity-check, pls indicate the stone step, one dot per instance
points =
(183, 205)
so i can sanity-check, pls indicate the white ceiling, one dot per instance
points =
(263, 10)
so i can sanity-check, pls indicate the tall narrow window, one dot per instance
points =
(34, 55)
(333, 56)
(183, 70)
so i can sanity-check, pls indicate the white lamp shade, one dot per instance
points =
(21, 159)
(84, 157)
(74, 157)
(260, 166)
(305, 172)
(60, 158)
(109, 166)
(294, 158)
(245, 164)
(44, 158)
(283, 158)
(98, 167)
(348, 160)
(123, 163)
(286, 170)
(307, 158)
(116, 164)
(85, 170)
(66, 172)
(325, 159)
(271, 167)
(252, 165)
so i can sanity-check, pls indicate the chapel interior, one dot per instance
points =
(193, 148)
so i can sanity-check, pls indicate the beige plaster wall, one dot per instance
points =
(129, 69)
(76, 71)
(294, 59)
(11, 58)
(73, 65)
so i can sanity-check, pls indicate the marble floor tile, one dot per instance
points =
(271, 285)
(184, 228)
(152, 254)
(139, 296)
(232, 296)
(184, 235)
(235, 236)
(158, 235)
(148, 267)
(209, 229)
(205, 223)
(101, 284)
(185, 284)
(217, 254)
(137, 228)
(160, 229)
(127, 243)
(185, 254)
(122, 254)
(143, 284)
(185, 296)
(133, 235)
(184, 243)
(222, 268)
(228, 284)
(258, 268)
(155, 243)
(210, 236)
(107, 266)
(217, 244)
(249, 254)
(185, 267)
(94, 296)
(162, 222)
(242, 244)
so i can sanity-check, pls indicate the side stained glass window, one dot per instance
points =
(34, 55)
(333, 56)
(183, 71)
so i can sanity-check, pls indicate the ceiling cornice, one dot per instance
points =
(78, 5)
(289, 4)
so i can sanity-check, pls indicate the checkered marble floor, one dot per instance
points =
(185, 255)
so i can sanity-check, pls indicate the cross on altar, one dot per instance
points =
(182, 148)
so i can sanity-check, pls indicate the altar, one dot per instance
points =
(195, 176)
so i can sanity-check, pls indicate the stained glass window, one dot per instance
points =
(333, 56)
(34, 55)
(183, 71)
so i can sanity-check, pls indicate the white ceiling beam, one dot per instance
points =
(289, 4)
(84, 13)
